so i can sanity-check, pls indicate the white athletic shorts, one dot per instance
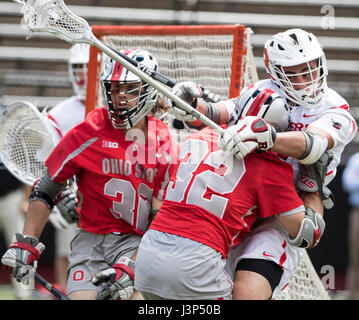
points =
(92, 253)
(177, 268)
(267, 241)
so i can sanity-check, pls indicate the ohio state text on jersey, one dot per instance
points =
(121, 176)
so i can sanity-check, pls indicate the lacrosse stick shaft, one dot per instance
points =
(154, 74)
(49, 287)
(158, 86)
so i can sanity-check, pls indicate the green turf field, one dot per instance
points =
(7, 293)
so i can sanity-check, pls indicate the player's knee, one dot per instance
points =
(250, 285)
(256, 279)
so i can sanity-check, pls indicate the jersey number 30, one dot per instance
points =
(125, 208)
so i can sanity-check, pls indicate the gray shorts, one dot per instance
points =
(173, 267)
(91, 253)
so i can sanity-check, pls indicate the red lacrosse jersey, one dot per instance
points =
(214, 198)
(116, 177)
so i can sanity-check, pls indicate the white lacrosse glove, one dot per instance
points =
(248, 134)
(23, 254)
(67, 205)
(189, 92)
(117, 281)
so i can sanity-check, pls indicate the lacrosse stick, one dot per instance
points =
(27, 137)
(49, 287)
(54, 17)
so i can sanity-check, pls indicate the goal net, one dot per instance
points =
(305, 283)
(218, 57)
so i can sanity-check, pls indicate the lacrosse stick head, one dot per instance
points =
(27, 137)
(53, 16)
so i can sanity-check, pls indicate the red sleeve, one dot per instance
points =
(63, 162)
(168, 158)
(276, 194)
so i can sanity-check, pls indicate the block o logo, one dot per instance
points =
(78, 275)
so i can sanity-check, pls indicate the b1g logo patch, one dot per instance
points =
(109, 144)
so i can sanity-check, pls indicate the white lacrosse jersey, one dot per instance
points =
(332, 116)
(268, 241)
(67, 114)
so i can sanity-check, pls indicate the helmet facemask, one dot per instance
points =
(127, 102)
(128, 98)
(295, 62)
(307, 92)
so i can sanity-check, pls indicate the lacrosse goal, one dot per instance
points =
(217, 57)
(220, 58)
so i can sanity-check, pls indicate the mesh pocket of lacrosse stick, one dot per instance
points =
(27, 137)
(53, 16)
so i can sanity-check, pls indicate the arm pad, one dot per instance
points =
(315, 147)
(311, 230)
(46, 190)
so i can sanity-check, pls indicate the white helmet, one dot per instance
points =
(78, 59)
(123, 118)
(263, 103)
(291, 48)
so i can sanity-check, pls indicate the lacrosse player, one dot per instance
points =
(320, 127)
(121, 156)
(210, 204)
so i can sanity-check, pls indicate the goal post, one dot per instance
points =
(219, 57)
